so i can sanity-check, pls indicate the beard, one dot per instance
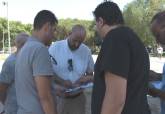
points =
(73, 48)
(161, 38)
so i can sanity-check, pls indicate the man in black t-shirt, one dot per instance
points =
(122, 66)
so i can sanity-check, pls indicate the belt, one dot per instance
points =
(73, 96)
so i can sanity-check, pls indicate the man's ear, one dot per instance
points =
(46, 26)
(70, 33)
(100, 21)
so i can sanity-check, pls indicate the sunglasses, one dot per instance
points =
(70, 65)
(53, 60)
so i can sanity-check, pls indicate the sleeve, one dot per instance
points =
(90, 67)
(51, 48)
(41, 63)
(51, 54)
(6, 76)
(163, 78)
(116, 56)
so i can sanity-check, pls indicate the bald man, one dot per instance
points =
(7, 83)
(72, 61)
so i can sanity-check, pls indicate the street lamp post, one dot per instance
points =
(8, 26)
(3, 40)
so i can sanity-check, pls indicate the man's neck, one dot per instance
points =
(107, 29)
(38, 35)
(69, 46)
(68, 42)
(16, 51)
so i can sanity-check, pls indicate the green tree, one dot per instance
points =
(15, 28)
(65, 26)
(138, 15)
(63, 30)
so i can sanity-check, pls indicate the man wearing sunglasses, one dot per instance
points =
(73, 62)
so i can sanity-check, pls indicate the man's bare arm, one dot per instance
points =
(157, 93)
(3, 91)
(62, 82)
(86, 78)
(43, 84)
(115, 94)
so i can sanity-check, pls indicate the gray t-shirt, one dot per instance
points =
(32, 60)
(7, 77)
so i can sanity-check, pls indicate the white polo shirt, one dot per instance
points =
(81, 60)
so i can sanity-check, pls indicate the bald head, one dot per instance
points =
(77, 36)
(20, 40)
(78, 28)
(158, 27)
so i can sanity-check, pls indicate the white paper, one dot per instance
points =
(84, 86)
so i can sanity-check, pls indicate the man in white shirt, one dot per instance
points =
(72, 60)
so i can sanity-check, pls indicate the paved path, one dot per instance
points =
(156, 64)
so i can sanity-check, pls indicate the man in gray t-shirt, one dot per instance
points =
(7, 78)
(33, 60)
(34, 70)
(7, 81)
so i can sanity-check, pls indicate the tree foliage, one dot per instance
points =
(63, 30)
(138, 15)
(15, 28)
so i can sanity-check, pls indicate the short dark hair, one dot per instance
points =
(159, 17)
(110, 13)
(42, 18)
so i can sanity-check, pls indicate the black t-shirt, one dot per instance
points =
(122, 53)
